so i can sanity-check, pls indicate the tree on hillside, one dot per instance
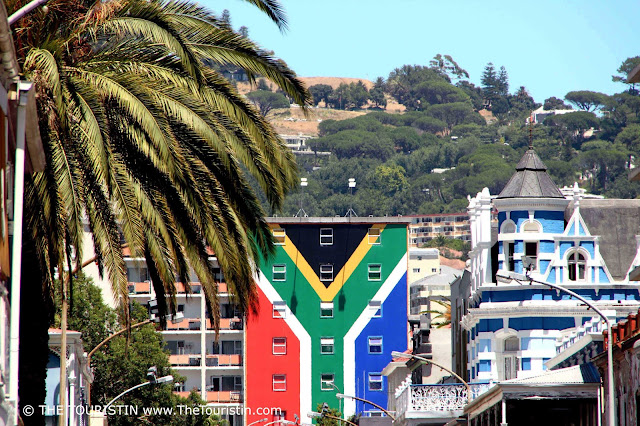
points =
(429, 124)
(474, 92)
(503, 82)
(320, 92)
(624, 69)
(587, 100)
(225, 19)
(244, 31)
(439, 92)
(266, 101)
(377, 93)
(554, 103)
(402, 83)
(455, 113)
(446, 66)
(573, 125)
(490, 83)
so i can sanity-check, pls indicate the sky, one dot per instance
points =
(550, 47)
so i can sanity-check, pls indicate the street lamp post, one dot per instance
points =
(152, 381)
(282, 421)
(258, 421)
(342, 396)
(396, 354)
(519, 278)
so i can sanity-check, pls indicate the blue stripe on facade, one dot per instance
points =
(394, 317)
(603, 276)
(564, 246)
(540, 294)
(541, 323)
(547, 246)
(551, 221)
(490, 325)
(589, 247)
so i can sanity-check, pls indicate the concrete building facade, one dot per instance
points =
(333, 306)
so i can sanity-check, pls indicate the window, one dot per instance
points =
(326, 345)
(531, 251)
(509, 250)
(374, 236)
(326, 236)
(279, 309)
(416, 270)
(377, 305)
(375, 345)
(531, 227)
(375, 272)
(577, 266)
(326, 272)
(280, 236)
(326, 309)
(508, 227)
(279, 382)
(279, 272)
(434, 270)
(279, 345)
(375, 381)
(326, 381)
(512, 344)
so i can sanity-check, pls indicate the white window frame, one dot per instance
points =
(326, 236)
(372, 341)
(326, 384)
(279, 347)
(326, 306)
(329, 343)
(375, 381)
(374, 236)
(576, 264)
(537, 243)
(371, 271)
(279, 309)
(277, 269)
(279, 382)
(280, 236)
(377, 305)
(326, 272)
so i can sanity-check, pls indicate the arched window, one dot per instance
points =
(530, 227)
(577, 265)
(512, 344)
(508, 227)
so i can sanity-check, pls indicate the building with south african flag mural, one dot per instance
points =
(333, 306)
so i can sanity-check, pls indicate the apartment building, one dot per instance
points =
(215, 368)
(333, 306)
(424, 228)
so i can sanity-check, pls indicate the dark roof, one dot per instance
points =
(617, 223)
(530, 180)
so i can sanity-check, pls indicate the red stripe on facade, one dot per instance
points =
(262, 364)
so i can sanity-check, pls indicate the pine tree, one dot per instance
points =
(503, 82)
(490, 82)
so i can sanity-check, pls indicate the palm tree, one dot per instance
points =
(443, 315)
(144, 141)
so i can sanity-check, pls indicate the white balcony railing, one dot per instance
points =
(437, 398)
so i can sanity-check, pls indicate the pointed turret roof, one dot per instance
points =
(530, 180)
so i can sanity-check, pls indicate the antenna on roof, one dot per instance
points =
(301, 212)
(351, 212)
(531, 131)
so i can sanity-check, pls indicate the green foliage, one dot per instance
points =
(587, 100)
(625, 68)
(446, 66)
(320, 93)
(376, 93)
(349, 96)
(87, 312)
(390, 179)
(455, 113)
(266, 101)
(403, 84)
(554, 103)
(326, 421)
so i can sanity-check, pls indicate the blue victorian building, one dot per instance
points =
(588, 244)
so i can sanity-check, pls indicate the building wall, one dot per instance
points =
(369, 277)
(511, 329)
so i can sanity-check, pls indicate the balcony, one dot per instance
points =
(417, 403)
(140, 288)
(221, 360)
(223, 396)
(226, 324)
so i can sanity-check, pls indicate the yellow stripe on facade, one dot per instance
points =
(327, 294)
